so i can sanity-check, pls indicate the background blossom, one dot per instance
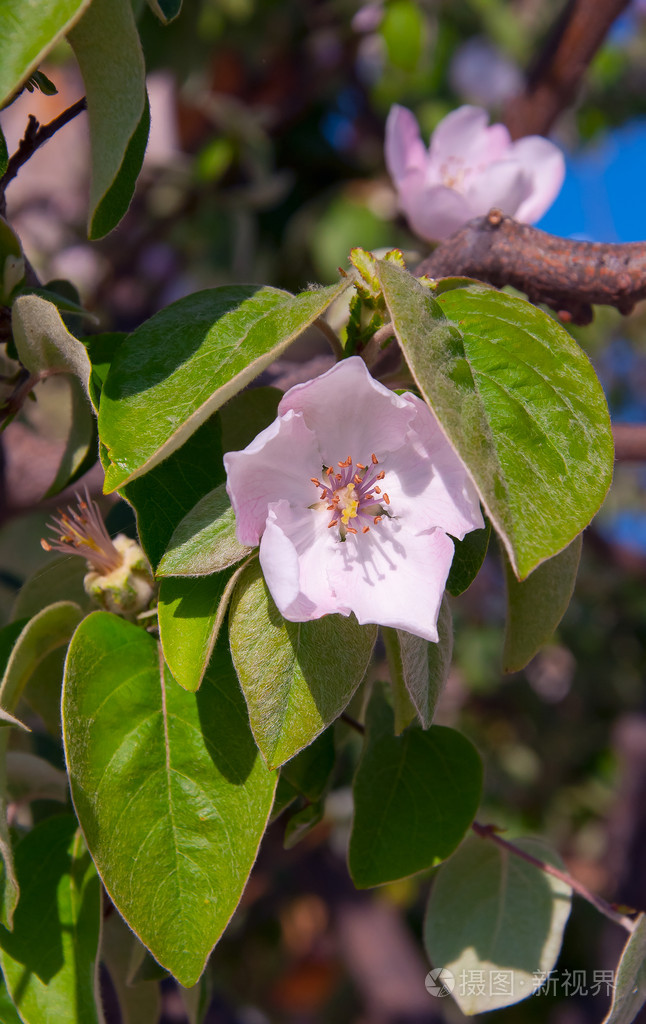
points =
(468, 168)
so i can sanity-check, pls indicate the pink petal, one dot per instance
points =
(434, 212)
(279, 463)
(504, 184)
(295, 550)
(394, 577)
(545, 164)
(463, 135)
(427, 483)
(404, 149)
(350, 413)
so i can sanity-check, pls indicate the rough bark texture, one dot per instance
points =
(569, 276)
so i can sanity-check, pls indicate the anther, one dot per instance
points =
(356, 478)
(331, 508)
(329, 471)
(386, 498)
(375, 460)
(350, 529)
(333, 523)
(337, 476)
(381, 475)
(361, 466)
(377, 490)
(316, 482)
(377, 519)
(365, 529)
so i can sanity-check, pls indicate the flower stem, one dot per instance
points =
(490, 832)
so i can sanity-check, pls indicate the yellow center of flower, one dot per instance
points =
(347, 504)
(353, 493)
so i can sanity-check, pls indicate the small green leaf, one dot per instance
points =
(185, 362)
(4, 154)
(59, 579)
(81, 444)
(519, 402)
(630, 981)
(12, 260)
(28, 32)
(301, 823)
(467, 560)
(423, 666)
(44, 343)
(49, 959)
(190, 615)
(168, 786)
(32, 778)
(49, 629)
(491, 912)
(140, 1002)
(164, 496)
(205, 540)
(107, 47)
(310, 771)
(246, 414)
(297, 677)
(415, 796)
(166, 10)
(536, 606)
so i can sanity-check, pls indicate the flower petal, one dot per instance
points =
(394, 576)
(295, 552)
(279, 463)
(545, 164)
(404, 149)
(464, 135)
(349, 412)
(433, 212)
(426, 481)
(504, 184)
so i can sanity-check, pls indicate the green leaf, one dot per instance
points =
(536, 606)
(297, 677)
(8, 1012)
(140, 1003)
(166, 10)
(44, 343)
(185, 362)
(49, 629)
(491, 912)
(302, 823)
(81, 444)
(59, 579)
(12, 260)
(190, 615)
(101, 349)
(630, 981)
(415, 796)
(310, 771)
(168, 786)
(165, 495)
(4, 154)
(43, 690)
(205, 540)
(32, 778)
(467, 560)
(28, 32)
(246, 414)
(49, 959)
(107, 47)
(423, 667)
(519, 402)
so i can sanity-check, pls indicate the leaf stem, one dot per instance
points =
(331, 336)
(352, 722)
(605, 908)
(375, 346)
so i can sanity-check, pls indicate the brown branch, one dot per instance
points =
(34, 137)
(605, 908)
(569, 276)
(555, 76)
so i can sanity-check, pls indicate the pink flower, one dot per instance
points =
(468, 168)
(352, 492)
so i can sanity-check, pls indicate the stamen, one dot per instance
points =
(333, 523)
(377, 519)
(350, 529)
(361, 466)
(377, 490)
(381, 475)
(337, 476)
(356, 478)
(365, 529)
(329, 471)
(375, 460)
(316, 481)
(386, 498)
